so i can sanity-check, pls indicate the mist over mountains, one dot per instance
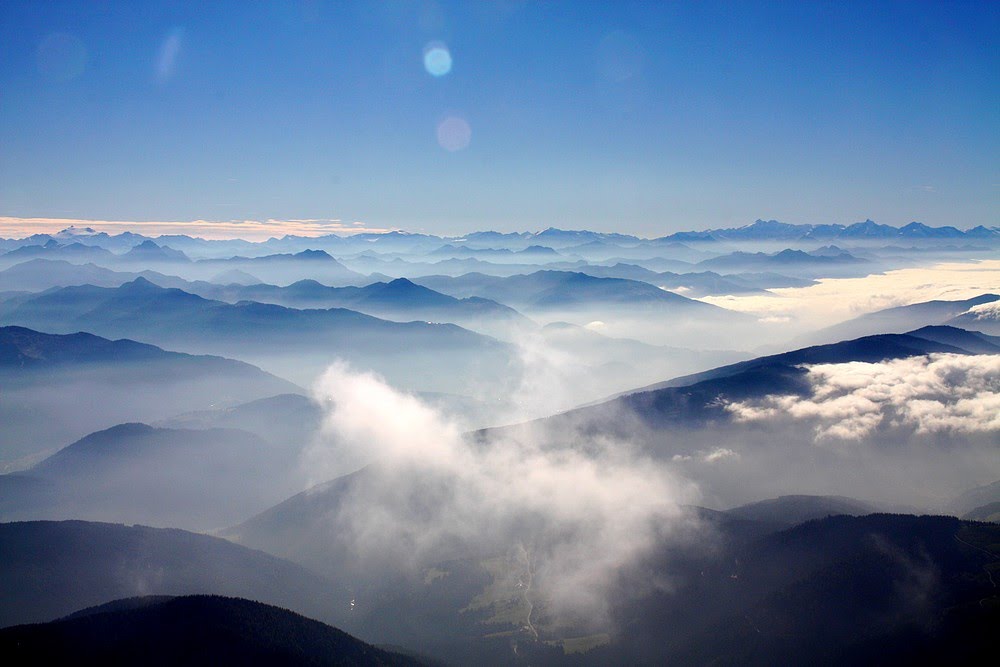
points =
(525, 243)
(555, 447)
(499, 333)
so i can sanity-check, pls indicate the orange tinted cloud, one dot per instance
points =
(251, 230)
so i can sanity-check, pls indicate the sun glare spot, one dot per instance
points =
(437, 59)
(453, 134)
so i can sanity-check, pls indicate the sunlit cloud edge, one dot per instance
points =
(250, 230)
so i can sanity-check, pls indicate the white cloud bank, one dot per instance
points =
(834, 300)
(579, 513)
(930, 394)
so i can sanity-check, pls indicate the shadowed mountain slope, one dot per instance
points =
(285, 338)
(190, 630)
(52, 568)
(59, 388)
(900, 318)
(196, 479)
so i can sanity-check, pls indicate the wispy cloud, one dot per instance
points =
(579, 512)
(251, 230)
(986, 311)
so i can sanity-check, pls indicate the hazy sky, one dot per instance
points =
(645, 117)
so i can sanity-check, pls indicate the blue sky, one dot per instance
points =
(644, 117)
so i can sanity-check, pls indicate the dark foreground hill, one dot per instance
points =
(52, 568)
(191, 630)
(878, 589)
(746, 589)
(883, 589)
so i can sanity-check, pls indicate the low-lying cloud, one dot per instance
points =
(580, 513)
(986, 311)
(716, 455)
(833, 300)
(930, 394)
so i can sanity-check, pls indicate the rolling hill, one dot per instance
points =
(802, 436)
(793, 510)
(555, 290)
(797, 262)
(49, 569)
(399, 300)
(190, 630)
(887, 589)
(901, 318)
(767, 374)
(282, 419)
(282, 268)
(299, 343)
(59, 388)
(197, 479)
(788, 582)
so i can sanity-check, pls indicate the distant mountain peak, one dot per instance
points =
(141, 283)
(73, 230)
(313, 254)
(149, 250)
(403, 282)
(307, 282)
(768, 224)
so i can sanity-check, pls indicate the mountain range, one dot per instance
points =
(399, 299)
(768, 562)
(136, 473)
(59, 388)
(531, 448)
(764, 231)
(266, 334)
(695, 422)
(565, 290)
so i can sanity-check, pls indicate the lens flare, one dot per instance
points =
(453, 134)
(170, 49)
(437, 59)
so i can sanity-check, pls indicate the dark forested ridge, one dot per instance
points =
(190, 630)
(52, 568)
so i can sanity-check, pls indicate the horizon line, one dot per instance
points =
(259, 231)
